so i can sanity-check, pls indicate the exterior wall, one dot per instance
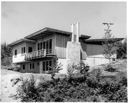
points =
(83, 50)
(27, 67)
(63, 62)
(93, 61)
(20, 57)
(33, 45)
(93, 50)
(95, 55)
(61, 45)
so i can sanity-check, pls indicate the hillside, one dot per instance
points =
(10, 80)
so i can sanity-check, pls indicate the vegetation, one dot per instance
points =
(92, 87)
(109, 46)
(5, 54)
(122, 49)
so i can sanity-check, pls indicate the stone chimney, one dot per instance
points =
(75, 30)
(73, 47)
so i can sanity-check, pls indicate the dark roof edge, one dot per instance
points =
(21, 40)
(101, 41)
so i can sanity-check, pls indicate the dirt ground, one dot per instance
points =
(8, 88)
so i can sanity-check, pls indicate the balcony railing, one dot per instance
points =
(38, 54)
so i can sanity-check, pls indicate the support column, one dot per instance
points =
(41, 66)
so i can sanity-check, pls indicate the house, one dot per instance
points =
(40, 51)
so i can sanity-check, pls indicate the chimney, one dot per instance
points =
(77, 31)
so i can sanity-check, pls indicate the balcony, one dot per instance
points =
(38, 54)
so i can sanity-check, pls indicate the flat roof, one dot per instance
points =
(101, 41)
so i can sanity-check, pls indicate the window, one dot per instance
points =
(33, 66)
(44, 66)
(29, 49)
(50, 45)
(38, 46)
(23, 67)
(15, 52)
(30, 66)
(45, 45)
(41, 45)
(23, 50)
(47, 65)
(50, 65)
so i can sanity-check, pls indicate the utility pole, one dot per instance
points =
(108, 30)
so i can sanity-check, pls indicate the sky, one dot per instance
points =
(19, 19)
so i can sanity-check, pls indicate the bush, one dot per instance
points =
(109, 68)
(78, 88)
(27, 90)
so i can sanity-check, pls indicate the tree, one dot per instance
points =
(5, 54)
(122, 49)
(108, 44)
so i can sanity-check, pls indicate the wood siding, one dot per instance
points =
(61, 44)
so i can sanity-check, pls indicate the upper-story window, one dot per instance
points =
(40, 46)
(46, 45)
(23, 50)
(15, 52)
(29, 49)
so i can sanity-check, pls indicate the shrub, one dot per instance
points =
(77, 88)
(109, 68)
(77, 68)
(27, 90)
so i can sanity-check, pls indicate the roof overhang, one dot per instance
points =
(45, 32)
(21, 41)
(50, 31)
(101, 41)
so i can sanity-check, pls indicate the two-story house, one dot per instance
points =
(38, 51)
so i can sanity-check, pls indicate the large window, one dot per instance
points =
(46, 45)
(47, 65)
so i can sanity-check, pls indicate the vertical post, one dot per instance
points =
(77, 32)
(72, 31)
(41, 66)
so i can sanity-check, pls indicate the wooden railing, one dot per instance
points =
(38, 54)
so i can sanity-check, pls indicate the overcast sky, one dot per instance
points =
(23, 18)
